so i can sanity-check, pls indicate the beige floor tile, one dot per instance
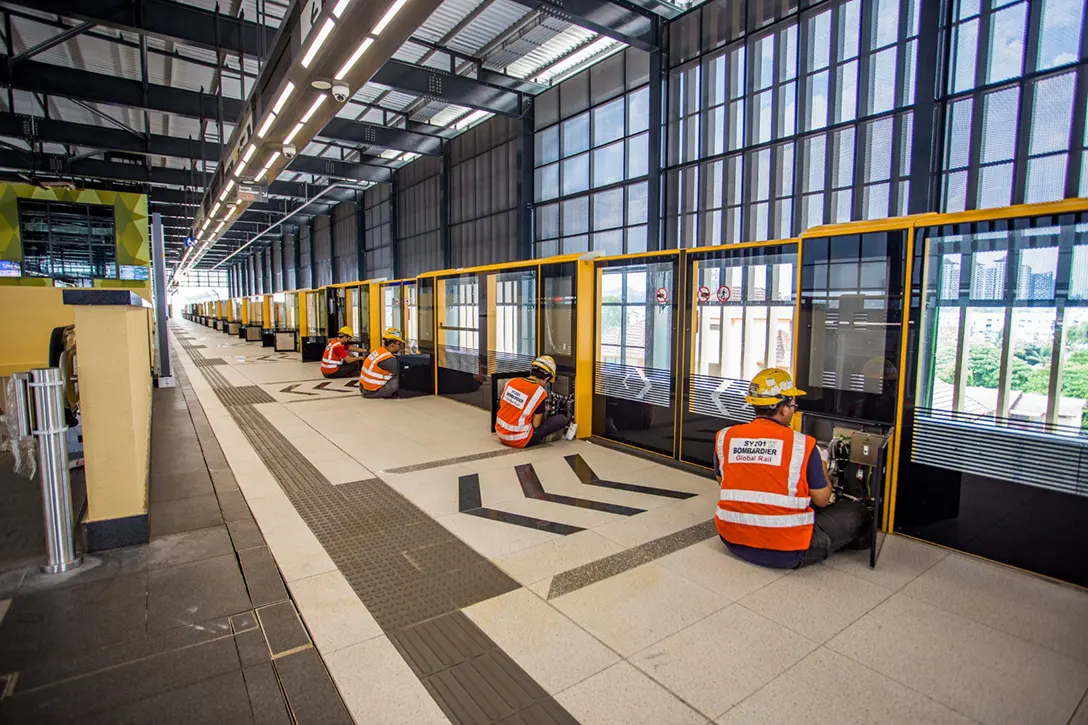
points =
(284, 372)
(608, 463)
(540, 588)
(974, 669)
(655, 523)
(703, 506)
(668, 477)
(435, 490)
(817, 601)
(332, 612)
(378, 686)
(549, 647)
(621, 695)
(557, 477)
(297, 552)
(718, 661)
(1080, 717)
(709, 564)
(632, 610)
(556, 556)
(342, 470)
(493, 538)
(1040, 611)
(584, 518)
(900, 560)
(826, 688)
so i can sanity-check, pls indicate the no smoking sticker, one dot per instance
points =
(662, 295)
(724, 294)
(704, 294)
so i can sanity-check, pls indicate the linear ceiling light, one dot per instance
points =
(294, 132)
(220, 227)
(313, 109)
(239, 168)
(268, 166)
(215, 210)
(283, 97)
(388, 17)
(346, 68)
(341, 7)
(266, 125)
(249, 153)
(315, 46)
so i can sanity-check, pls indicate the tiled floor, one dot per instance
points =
(634, 618)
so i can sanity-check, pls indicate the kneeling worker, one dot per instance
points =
(337, 362)
(520, 421)
(771, 477)
(379, 376)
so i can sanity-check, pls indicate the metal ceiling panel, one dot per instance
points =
(493, 21)
(558, 46)
(445, 19)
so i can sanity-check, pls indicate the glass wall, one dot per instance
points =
(73, 244)
(514, 345)
(592, 160)
(459, 329)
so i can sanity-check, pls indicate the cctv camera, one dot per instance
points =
(289, 150)
(340, 92)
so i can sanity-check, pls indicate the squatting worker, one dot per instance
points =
(379, 376)
(338, 362)
(520, 421)
(772, 476)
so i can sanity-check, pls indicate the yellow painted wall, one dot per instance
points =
(115, 400)
(27, 318)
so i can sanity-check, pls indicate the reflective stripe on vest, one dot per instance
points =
(764, 501)
(519, 399)
(372, 377)
(329, 362)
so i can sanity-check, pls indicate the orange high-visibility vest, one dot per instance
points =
(372, 377)
(331, 360)
(513, 423)
(764, 499)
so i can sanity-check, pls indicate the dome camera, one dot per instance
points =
(340, 92)
(289, 151)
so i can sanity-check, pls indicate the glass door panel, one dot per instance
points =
(743, 304)
(411, 318)
(634, 394)
(513, 346)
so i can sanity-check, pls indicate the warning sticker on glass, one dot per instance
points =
(765, 451)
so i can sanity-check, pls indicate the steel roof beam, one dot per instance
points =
(168, 20)
(84, 85)
(31, 128)
(443, 86)
(626, 23)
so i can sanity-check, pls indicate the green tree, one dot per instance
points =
(983, 366)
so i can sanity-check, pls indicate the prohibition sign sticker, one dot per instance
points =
(662, 295)
(724, 294)
(704, 294)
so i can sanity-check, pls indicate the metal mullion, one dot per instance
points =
(1012, 264)
(749, 96)
(1027, 101)
(832, 100)
(800, 160)
(1073, 168)
(973, 156)
(1061, 293)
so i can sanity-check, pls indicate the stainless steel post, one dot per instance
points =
(50, 429)
(21, 407)
(158, 260)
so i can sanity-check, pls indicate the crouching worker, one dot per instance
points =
(771, 478)
(520, 421)
(379, 376)
(338, 362)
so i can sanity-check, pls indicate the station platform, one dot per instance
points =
(404, 567)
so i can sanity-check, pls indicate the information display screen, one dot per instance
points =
(10, 268)
(135, 271)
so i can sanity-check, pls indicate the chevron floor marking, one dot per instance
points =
(588, 477)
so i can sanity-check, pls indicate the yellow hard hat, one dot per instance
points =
(770, 387)
(392, 333)
(547, 364)
(345, 331)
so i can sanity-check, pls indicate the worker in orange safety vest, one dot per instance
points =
(520, 420)
(379, 377)
(337, 361)
(774, 507)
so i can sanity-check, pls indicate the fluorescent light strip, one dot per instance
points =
(207, 222)
(215, 210)
(388, 17)
(283, 98)
(294, 131)
(315, 46)
(341, 7)
(220, 227)
(313, 108)
(346, 68)
(239, 168)
(249, 153)
(267, 166)
(266, 125)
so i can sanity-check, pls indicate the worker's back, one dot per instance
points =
(513, 422)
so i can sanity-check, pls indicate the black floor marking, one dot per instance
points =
(588, 477)
(533, 488)
(470, 502)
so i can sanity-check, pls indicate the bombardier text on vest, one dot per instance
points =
(515, 397)
(765, 451)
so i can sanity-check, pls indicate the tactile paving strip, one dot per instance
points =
(244, 395)
(215, 378)
(203, 362)
(610, 566)
(413, 576)
(453, 461)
